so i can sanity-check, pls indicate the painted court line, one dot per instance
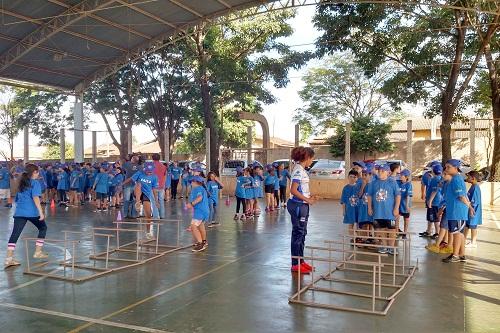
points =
(144, 300)
(28, 283)
(82, 318)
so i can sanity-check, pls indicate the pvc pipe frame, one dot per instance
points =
(160, 250)
(341, 265)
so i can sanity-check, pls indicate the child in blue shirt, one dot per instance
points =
(276, 187)
(101, 188)
(384, 199)
(168, 184)
(349, 201)
(458, 210)
(186, 177)
(250, 189)
(474, 195)
(406, 189)
(146, 182)
(435, 197)
(269, 181)
(365, 221)
(28, 208)
(198, 201)
(4, 183)
(242, 182)
(432, 219)
(258, 183)
(63, 185)
(284, 176)
(213, 187)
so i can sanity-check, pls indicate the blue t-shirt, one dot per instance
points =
(474, 195)
(176, 173)
(213, 188)
(148, 183)
(363, 206)
(25, 206)
(436, 185)
(101, 183)
(250, 188)
(277, 184)
(456, 209)
(284, 175)
(350, 199)
(241, 183)
(383, 194)
(42, 179)
(4, 178)
(118, 179)
(426, 178)
(406, 195)
(49, 177)
(74, 180)
(82, 180)
(258, 184)
(168, 179)
(63, 181)
(201, 210)
(270, 179)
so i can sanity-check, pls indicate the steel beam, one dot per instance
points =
(146, 13)
(46, 70)
(106, 21)
(186, 8)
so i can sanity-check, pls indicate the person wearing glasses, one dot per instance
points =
(28, 208)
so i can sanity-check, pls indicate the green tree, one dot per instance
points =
(434, 49)
(53, 152)
(117, 98)
(232, 59)
(367, 136)
(339, 91)
(9, 120)
(43, 113)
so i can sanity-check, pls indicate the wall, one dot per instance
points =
(332, 189)
(423, 152)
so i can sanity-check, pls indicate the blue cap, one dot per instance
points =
(437, 169)
(360, 163)
(197, 169)
(149, 167)
(239, 169)
(406, 173)
(275, 165)
(198, 179)
(269, 167)
(433, 163)
(385, 167)
(454, 162)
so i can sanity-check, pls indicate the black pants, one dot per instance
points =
(277, 197)
(175, 184)
(241, 201)
(62, 195)
(282, 194)
(299, 213)
(20, 222)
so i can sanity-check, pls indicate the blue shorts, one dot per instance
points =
(471, 226)
(432, 214)
(444, 224)
(362, 224)
(455, 226)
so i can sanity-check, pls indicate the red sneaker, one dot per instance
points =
(307, 266)
(303, 270)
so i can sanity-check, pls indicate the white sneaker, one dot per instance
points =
(471, 245)
(40, 255)
(9, 262)
(138, 206)
(149, 235)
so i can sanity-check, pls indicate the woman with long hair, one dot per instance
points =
(28, 208)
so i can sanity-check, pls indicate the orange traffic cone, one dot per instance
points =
(53, 204)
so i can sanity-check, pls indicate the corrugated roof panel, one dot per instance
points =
(135, 20)
(24, 74)
(168, 11)
(109, 34)
(11, 26)
(35, 8)
(67, 42)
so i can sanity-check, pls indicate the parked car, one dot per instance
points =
(230, 166)
(192, 164)
(328, 169)
(312, 164)
(285, 162)
(400, 162)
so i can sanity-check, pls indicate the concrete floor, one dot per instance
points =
(242, 283)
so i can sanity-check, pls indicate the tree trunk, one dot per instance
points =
(123, 147)
(495, 103)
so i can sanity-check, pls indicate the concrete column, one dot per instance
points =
(26, 144)
(409, 144)
(347, 149)
(297, 135)
(472, 142)
(166, 149)
(62, 145)
(207, 148)
(94, 146)
(249, 144)
(78, 128)
(129, 143)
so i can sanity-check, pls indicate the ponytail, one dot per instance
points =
(25, 182)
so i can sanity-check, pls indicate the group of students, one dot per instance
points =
(452, 210)
(142, 185)
(252, 183)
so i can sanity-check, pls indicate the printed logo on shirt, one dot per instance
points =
(353, 200)
(146, 181)
(381, 195)
(365, 198)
